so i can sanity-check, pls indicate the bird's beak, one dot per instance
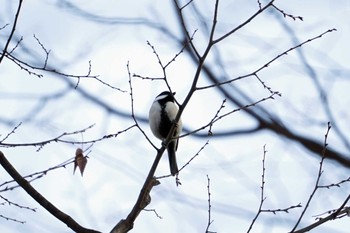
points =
(174, 93)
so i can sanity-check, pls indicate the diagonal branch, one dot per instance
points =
(320, 172)
(12, 31)
(244, 23)
(63, 217)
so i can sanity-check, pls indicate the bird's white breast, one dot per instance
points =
(172, 110)
(155, 117)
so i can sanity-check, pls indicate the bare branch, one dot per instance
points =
(259, 4)
(210, 133)
(286, 14)
(61, 137)
(191, 159)
(11, 219)
(31, 70)
(17, 44)
(37, 175)
(254, 73)
(209, 208)
(339, 213)
(217, 118)
(184, 27)
(181, 50)
(335, 184)
(184, 6)
(244, 23)
(12, 132)
(319, 174)
(47, 52)
(154, 211)
(71, 223)
(1, 28)
(17, 205)
(12, 31)
(262, 195)
(286, 210)
(133, 111)
(143, 200)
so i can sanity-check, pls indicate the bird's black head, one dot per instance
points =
(165, 96)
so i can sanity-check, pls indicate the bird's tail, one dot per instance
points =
(172, 158)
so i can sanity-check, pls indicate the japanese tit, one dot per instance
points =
(161, 116)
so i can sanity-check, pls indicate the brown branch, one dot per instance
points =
(340, 212)
(37, 175)
(63, 217)
(143, 199)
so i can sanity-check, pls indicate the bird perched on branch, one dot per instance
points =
(162, 115)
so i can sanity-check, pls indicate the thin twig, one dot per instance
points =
(11, 219)
(243, 24)
(319, 174)
(132, 108)
(37, 175)
(272, 96)
(335, 184)
(4, 26)
(286, 210)
(154, 211)
(12, 132)
(17, 205)
(193, 157)
(60, 138)
(210, 133)
(209, 208)
(254, 73)
(184, 6)
(262, 195)
(286, 14)
(47, 52)
(31, 70)
(17, 45)
(12, 31)
(341, 212)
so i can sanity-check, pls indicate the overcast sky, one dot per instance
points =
(110, 35)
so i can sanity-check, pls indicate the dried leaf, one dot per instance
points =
(80, 161)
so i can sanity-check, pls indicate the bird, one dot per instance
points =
(162, 114)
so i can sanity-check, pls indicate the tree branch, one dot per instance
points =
(63, 217)
(12, 31)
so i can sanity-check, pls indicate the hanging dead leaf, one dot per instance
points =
(79, 161)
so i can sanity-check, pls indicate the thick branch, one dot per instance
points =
(143, 199)
(69, 221)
